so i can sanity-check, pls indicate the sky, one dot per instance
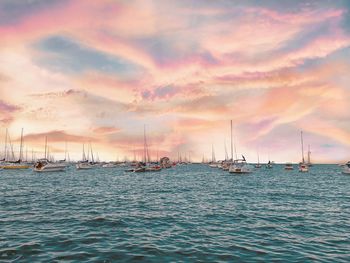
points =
(96, 72)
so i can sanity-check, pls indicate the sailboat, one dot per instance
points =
(346, 168)
(303, 167)
(84, 163)
(308, 156)
(238, 166)
(226, 165)
(258, 165)
(16, 164)
(45, 165)
(269, 165)
(288, 166)
(146, 165)
(213, 163)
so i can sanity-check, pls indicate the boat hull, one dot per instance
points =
(47, 170)
(243, 170)
(83, 167)
(346, 171)
(303, 168)
(15, 167)
(50, 167)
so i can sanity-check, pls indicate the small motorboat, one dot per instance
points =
(109, 165)
(346, 168)
(288, 166)
(84, 166)
(43, 165)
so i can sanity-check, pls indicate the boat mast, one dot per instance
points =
(88, 153)
(84, 157)
(92, 154)
(5, 152)
(145, 146)
(226, 155)
(231, 144)
(65, 151)
(46, 147)
(308, 154)
(302, 146)
(212, 154)
(11, 146)
(21, 146)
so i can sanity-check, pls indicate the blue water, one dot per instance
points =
(188, 213)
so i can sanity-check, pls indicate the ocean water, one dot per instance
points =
(188, 213)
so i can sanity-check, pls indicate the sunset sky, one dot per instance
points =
(98, 71)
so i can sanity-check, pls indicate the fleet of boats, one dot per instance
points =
(232, 165)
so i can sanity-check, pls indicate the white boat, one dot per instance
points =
(269, 165)
(11, 164)
(346, 168)
(226, 166)
(109, 165)
(84, 166)
(288, 166)
(240, 166)
(43, 165)
(303, 167)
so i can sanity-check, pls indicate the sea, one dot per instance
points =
(190, 213)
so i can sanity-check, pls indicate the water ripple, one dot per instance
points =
(190, 213)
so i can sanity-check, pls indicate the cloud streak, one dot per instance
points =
(101, 70)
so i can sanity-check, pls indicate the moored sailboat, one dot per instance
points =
(309, 157)
(14, 165)
(240, 166)
(346, 168)
(84, 164)
(258, 165)
(288, 166)
(303, 167)
(269, 165)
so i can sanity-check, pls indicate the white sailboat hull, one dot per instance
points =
(238, 169)
(303, 168)
(109, 166)
(346, 170)
(83, 166)
(51, 167)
